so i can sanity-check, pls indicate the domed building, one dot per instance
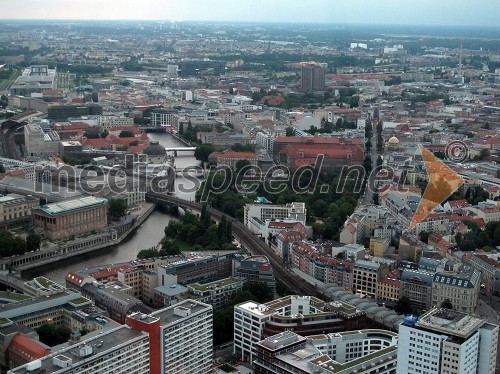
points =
(156, 153)
(392, 144)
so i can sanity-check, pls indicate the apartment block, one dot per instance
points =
(489, 267)
(121, 350)
(215, 293)
(417, 286)
(447, 342)
(186, 334)
(461, 288)
(365, 276)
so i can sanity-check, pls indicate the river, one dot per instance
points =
(148, 235)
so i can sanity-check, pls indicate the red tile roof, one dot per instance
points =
(239, 155)
(27, 348)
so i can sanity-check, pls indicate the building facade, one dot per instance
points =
(447, 342)
(39, 143)
(312, 78)
(257, 270)
(186, 334)
(16, 209)
(71, 218)
(462, 289)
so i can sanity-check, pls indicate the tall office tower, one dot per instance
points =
(313, 78)
(444, 341)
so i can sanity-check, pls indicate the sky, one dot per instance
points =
(420, 12)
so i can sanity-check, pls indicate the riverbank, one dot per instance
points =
(113, 236)
(185, 142)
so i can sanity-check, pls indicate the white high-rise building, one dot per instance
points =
(186, 333)
(444, 341)
(249, 320)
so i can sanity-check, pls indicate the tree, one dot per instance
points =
(33, 242)
(4, 101)
(289, 131)
(403, 306)
(222, 228)
(240, 164)
(468, 242)
(483, 240)
(52, 335)
(205, 216)
(367, 164)
(484, 154)
(424, 236)
(126, 134)
(117, 208)
(202, 152)
(91, 133)
(260, 291)
(104, 133)
(447, 304)
(95, 97)
(181, 129)
(487, 126)
(2, 168)
(354, 101)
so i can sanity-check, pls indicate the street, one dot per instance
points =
(368, 196)
(489, 308)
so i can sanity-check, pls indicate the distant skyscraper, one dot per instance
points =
(313, 78)
(447, 342)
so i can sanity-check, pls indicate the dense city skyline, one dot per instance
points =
(425, 12)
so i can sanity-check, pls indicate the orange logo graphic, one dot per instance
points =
(442, 183)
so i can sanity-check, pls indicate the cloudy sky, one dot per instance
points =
(428, 12)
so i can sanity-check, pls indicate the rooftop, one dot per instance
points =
(180, 311)
(216, 284)
(70, 205)
(450, 322)
(107, 341)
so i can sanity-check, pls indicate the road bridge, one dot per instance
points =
(180, 149)
(12, 282)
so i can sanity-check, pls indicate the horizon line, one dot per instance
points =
(247, 22)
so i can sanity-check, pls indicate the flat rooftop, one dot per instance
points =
(450, 322)
(215, 284)
(101, 343)
(71, 205)
(257, 309)
(168, 315)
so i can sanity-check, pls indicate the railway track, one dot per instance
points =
(249, 241)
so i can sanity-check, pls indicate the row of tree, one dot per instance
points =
(201, 231)
(15, 245)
